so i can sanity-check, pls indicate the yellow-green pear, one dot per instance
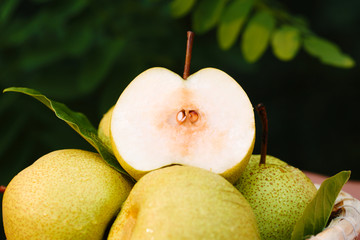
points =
(278, 194)
(66, 194)
(104, 128)
(205, 121)
(187, 203)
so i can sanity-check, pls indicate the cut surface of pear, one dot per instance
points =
(66, 194)
(184, 203)
(205, 121)
(278, 194)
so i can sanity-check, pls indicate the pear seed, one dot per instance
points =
(181, 116)
(193, 116)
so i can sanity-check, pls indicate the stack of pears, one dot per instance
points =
(186, 141)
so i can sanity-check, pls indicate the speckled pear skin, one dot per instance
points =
(278, 194)
(255, 160)
(66, 194)
(187, 203)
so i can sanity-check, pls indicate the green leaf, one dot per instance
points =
(327, 52)
(179, 8)
(207, 14)
(232, 21)
(256, 36)
(317, 213)
(78, 121)
(286, 42)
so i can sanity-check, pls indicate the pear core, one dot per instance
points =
(206, 121)
(187, 115)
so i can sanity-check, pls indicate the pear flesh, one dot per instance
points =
(181, 202)
(278, 194)
(66, 194)
(206, 121)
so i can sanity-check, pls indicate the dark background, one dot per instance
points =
(85, 53)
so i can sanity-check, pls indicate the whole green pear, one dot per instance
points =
(278, 194)
(66, 194)
(180, 202)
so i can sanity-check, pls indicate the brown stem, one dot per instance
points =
(189, 44)
(2, 189)
(260, 108)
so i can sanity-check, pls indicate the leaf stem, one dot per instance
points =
(189, 44)
(2, 189)
(260, 108)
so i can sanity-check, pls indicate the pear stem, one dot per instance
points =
(2, 189)
(260, 108)
(189, 44)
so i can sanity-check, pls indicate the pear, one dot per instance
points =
(66, 194)
(278, 195)
(206, 121)
(183, 202)
(277, 192)
(104, 128)
(255, 160)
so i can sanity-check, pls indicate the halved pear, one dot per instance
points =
(205, 121)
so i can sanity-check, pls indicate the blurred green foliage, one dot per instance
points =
(268, 22)
(84, 53)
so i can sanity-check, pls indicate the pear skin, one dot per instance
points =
(278, 194)
(180, 202)
(66, 194)
(255, 159)
(104, 128)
